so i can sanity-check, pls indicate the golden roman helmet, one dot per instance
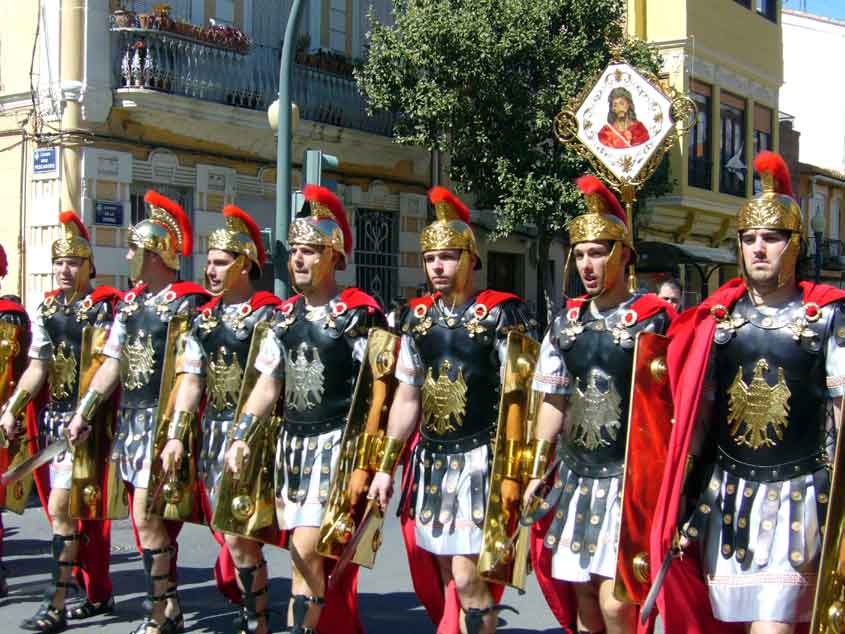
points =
(322, 222)
(605, 220)
(774, 209)
(167, 232)
(75, 243)
(451, 228)
(241, 237)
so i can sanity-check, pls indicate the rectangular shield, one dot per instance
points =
(373, 395)
(649, 428)
(504, 550)
(15, 496)
(179, 499)
(246, 504)
(829, 601)
(92, 495)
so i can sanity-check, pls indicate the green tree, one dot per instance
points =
(482, 80)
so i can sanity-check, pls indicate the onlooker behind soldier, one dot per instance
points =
(670, 291)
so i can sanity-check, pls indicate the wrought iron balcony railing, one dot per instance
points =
(173, 63)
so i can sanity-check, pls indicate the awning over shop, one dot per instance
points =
(663, 256)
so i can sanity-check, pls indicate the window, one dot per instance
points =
(745, 3)
(732, 165)
(699, 138)
(762, 136)
(138, 211)
(337, 25)
(767, 8)
(504, 272)
(377, 253)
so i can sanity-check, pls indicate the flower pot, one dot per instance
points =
(123, 19)
(145, 19)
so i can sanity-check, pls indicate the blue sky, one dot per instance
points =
(829, 8)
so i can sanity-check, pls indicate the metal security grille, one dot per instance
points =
(377, 253)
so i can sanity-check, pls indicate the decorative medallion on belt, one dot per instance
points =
(137, 362)
(62, 373)
(444, 401)
(303, 379)
(593, 410)
(224, 381)
(757, 406)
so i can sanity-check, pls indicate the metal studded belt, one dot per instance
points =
(785, 471)
(307, 430)
(460, 445)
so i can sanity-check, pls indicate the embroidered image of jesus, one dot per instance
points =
(622, 130)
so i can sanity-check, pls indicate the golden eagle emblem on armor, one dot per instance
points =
(62, 372)
(444, 401)
(303, 380)
(224, 380)
(137, 362)
(757, 406)
(593, 411)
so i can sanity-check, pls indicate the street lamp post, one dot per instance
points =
(284, 152)
(817, 225)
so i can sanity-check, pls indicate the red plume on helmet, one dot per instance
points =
(438, 195)
(233, 211)
(590, 185)
(327, 198)
(174, 209)
(773, 164)
(70, 217)
(4, 262)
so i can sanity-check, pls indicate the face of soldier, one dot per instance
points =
(762, 251)
(445, 271)
(223, 270)
(68, 273)
(591, 259)
(310, 267)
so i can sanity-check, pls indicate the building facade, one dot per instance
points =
(727, 56)
(122, 96)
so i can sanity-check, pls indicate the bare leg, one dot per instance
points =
(308, 585)
(474, 595)
(155, 541)
(589, 611)
(771, 627)
(619, 617)
(252, 568)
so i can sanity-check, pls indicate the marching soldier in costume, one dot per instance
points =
(216, 354)
(138, 351)
(585, 371)
(15, 337)
(758, 371)
(452, 350)
(55, 363)
(309, 363)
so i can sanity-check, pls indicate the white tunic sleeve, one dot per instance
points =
(551, 375)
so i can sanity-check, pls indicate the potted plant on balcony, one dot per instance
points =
(123, 18)
(145, 21)
(302, 44)
(162, 17)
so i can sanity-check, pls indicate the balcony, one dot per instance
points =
(833, 254)
(172, 63)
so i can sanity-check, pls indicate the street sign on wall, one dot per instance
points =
(108, 213)
(45, 162)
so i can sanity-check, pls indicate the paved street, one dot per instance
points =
(386, 596)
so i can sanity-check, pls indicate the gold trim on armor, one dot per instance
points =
(537, 458)
(137, 362)
(389, 453)
(758, 405)
(365, 450)
(17, 402)
(444, 400)
(89, 404)
(224, 380)
(513, 459)
(179, 425)
(61, 372)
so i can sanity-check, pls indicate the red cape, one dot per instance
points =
(180, 288)
(683, 601)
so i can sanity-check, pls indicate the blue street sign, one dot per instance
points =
(44, 160)
(108, 213)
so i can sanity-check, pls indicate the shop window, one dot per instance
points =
(732, 162)
(700, 164)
